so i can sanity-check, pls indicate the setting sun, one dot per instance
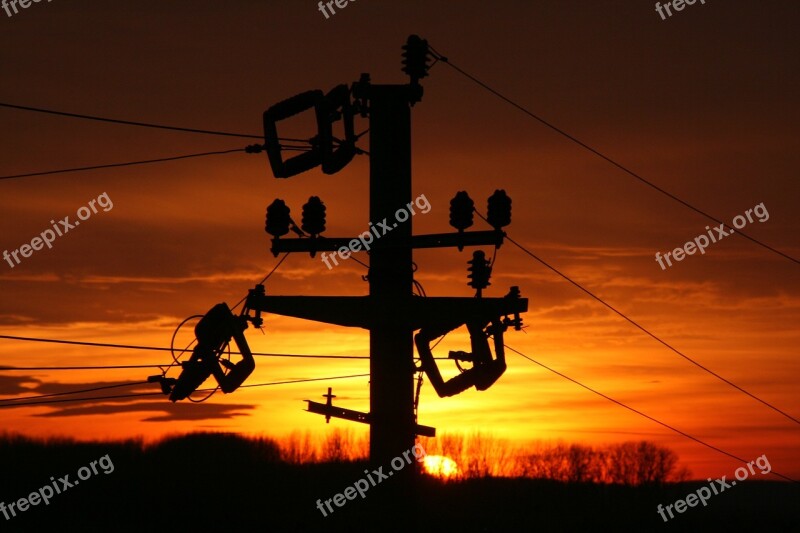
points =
(440, 466)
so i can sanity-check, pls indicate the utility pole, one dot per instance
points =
(390, 312)
(391, 274)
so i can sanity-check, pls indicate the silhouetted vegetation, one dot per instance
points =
(478, 455)
(628, 463)
(222, 482)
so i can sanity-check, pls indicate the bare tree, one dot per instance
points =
(629, 463)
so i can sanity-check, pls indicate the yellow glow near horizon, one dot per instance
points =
(440, 466)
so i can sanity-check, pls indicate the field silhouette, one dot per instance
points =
(225, 482)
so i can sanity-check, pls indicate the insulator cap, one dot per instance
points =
(416, 56)
(313, 216)
(498, 212)
(278, 219)
(479, 271)
(461, 211)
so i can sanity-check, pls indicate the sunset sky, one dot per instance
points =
(703, 104)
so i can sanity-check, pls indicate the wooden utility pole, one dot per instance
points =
(390, 312)
(391, 275)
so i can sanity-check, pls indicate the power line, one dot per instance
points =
(640, 413)
(650, 334)
(264, 279)
(64, 400)
(160, 349)
(43, 402)
(307, 380)
(105, 367)
(359, 261)
(126, 164)
(601, 155)
(133, 123)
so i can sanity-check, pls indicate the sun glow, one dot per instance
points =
(440, 466)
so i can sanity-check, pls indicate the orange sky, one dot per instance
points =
(703, 104)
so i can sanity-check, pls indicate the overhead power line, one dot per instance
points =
(251, 149)
(3, 401)
(126, 164)
(103, 367)
(606, 158)
(640, 413)
(263, 280)
(160, 349)
(648, 332)
(133, 123)
(307, 380)
(94, 398)
(113, 397)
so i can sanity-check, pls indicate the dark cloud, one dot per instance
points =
(62, 405)
(169, 412)
(105, 387)
(12, 385)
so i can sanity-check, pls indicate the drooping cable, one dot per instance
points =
(135, 123)
(640, 413)
(95, 398)
(606, 158)
(647, 331)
